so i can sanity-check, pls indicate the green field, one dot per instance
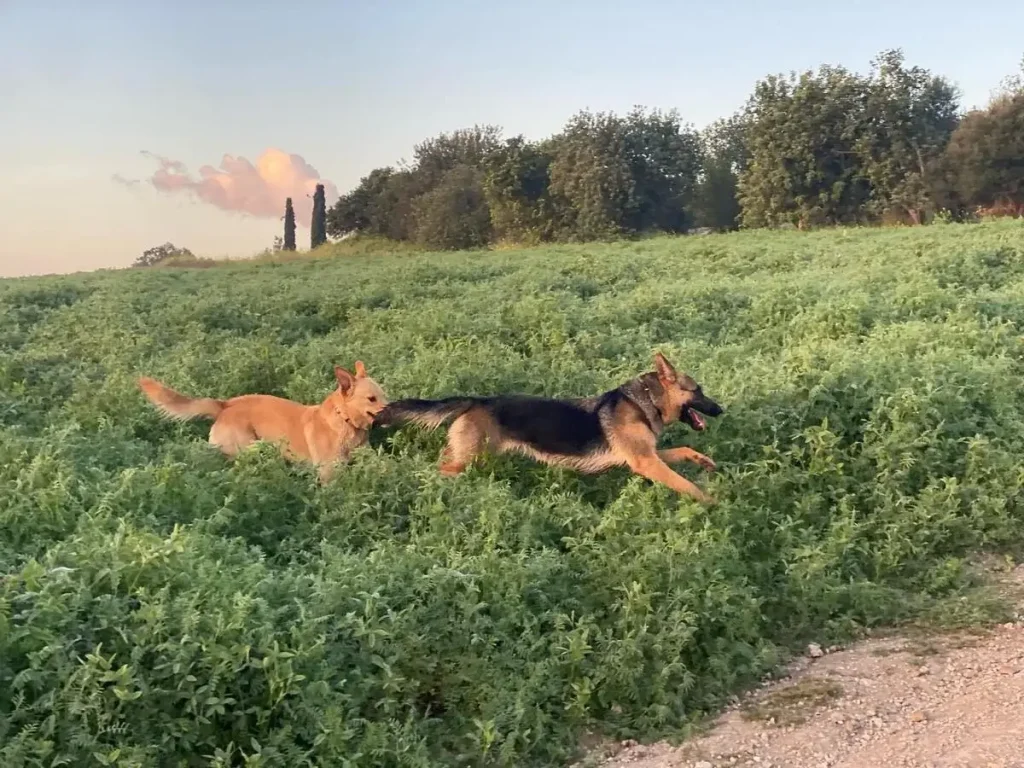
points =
(160, 605)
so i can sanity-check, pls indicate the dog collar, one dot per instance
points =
(647, 407)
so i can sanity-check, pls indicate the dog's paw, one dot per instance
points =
(705, 462)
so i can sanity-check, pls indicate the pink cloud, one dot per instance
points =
(239, 185)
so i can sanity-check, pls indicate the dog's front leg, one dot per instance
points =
(653, 468)
(327, 470)
(674, 455)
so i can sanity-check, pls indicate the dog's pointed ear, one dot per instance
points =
(345, 379)
(360, 370)
(664, 368)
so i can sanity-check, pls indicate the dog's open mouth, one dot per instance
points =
(694, 419)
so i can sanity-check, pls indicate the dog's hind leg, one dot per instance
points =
(675, 455)
(466, 440)
(230, 438)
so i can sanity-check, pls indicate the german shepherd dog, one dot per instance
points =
(617, 428)
(324, 434)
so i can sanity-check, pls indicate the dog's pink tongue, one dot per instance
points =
(697, 418)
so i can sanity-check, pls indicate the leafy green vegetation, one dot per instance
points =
(160, 605)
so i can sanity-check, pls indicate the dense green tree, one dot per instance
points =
(589, 170)
(454, 214)
(385, 201)
(803, 137)
(717, 204)
(910, 116)
(318, 225)
(832, 146)
(161, 253)
(622, 175)
(289, 225)
(664, 157)
(471, 147)
(516, 186)
(396, 205)
(983, 165)
(723, 158)
(361, 209)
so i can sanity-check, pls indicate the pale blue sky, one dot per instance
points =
(84, 86)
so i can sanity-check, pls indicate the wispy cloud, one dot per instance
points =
(119, 179)
(258, 189)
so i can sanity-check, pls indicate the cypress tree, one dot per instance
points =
(318, 227)
(289, 225)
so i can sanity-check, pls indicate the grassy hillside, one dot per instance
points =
(162, 606)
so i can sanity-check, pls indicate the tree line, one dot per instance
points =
(817, 148)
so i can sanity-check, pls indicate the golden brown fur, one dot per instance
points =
(324, 434)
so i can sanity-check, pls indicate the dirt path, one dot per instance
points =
(955, 700)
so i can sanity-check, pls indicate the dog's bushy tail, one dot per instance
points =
(426, 413)
(176, 405)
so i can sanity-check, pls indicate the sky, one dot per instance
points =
(124, 125)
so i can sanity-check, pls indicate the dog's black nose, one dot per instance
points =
(707, 406)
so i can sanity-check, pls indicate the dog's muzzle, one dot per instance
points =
(692, 412)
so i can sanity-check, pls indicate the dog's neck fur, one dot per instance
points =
(638, 392)
(326, 408)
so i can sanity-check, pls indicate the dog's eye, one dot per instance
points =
(373, 398)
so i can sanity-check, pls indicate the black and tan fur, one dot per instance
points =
(617, 428)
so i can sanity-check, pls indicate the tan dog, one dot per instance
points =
(323, 434)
